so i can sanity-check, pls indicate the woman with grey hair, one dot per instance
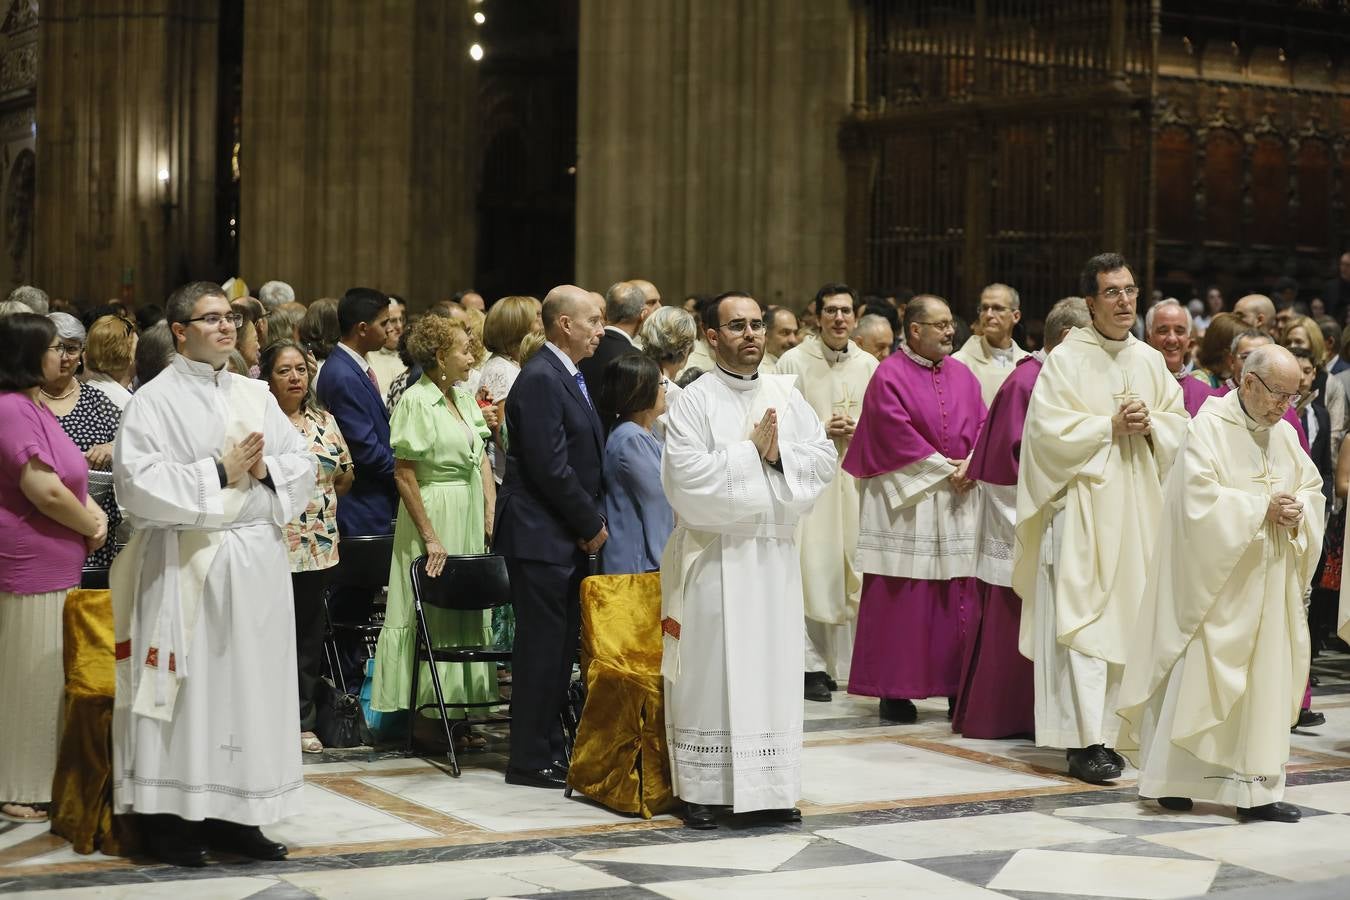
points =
(668, 337)
(10, 307)
(90, 419)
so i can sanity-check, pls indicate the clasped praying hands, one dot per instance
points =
(765, 436)
(245, 458)
(1132, 418)
(1284, 509)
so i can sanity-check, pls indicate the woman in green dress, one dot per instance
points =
(446, 498)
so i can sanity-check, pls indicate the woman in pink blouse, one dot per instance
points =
(50, 525)
(312, 539)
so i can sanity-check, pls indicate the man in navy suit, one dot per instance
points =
(348, 387)
(548, 522)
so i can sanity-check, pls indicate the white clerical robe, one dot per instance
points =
(833, 382)
(1220, 653)
(205, 723)
(991, 367)
(731, 590)
(1088, 506)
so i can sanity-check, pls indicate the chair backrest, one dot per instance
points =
(621, 621)
(473, 582)
(363, 561)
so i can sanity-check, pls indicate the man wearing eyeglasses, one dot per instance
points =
(832, 374)
(205, 724)
(1104, 424)
(918, 518)
(745, 458)
(1219, 656)
(992, 354)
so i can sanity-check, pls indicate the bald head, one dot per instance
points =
(1270, 361)
(563, 300)
(573, 320)
(1270, 383)
(1257, 311)
(873, 335)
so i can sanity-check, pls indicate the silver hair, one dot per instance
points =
(68, 328)
(1014, 299)
(1263, 360)
(870, 323)
(35, 298)
(1248, 334)
(623, 302)
(1071, 312)
(274, 293)
(10, 307)
(1170, 301)
(668, 334)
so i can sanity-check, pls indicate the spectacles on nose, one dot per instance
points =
(213, 320)
(1113, 293)
(70, 351)
(1281, 396)
(945, 325)
(831, 312)
(738, 326)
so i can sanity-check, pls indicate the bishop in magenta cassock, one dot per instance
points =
(996, 699)
(916, 537)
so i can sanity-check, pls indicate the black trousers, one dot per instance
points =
(548, 627)
(352, 606)
(308, 588)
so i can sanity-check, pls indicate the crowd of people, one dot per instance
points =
(1098, 530)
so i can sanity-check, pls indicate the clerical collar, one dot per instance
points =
(834, 356)
(193, 367)
(1112, 343)
(1038, 355)
(921, 360)
(738, 382)
(1252, 424)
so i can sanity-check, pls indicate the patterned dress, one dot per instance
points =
(93, 421)
(312, 539)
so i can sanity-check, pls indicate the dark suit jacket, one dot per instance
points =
(611, 347)
(550, 495)
(369, 507)
(1320, 448)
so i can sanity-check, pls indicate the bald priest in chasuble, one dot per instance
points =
(1220, 654)
(832, 374)
(1103, 426)
(744, 459)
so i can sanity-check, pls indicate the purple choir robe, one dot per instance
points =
(997, 696)
(1194, 393)
(912, 633)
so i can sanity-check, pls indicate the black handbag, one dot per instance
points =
(341, 722)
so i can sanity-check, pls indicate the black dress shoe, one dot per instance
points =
(1176, 804)
(1093, 765)
(902, 711)
(548, 777)
(243, 840)
(817, 687)
(1309, 719)
(181, 846)
(1115, 757)
(1271, 812)
(698, 816)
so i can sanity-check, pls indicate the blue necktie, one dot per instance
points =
(581, 383)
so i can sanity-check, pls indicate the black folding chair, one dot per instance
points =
(363, 565)
(468, 584)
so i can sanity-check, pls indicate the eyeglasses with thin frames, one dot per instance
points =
(1113, 293)
(945, 325)
(738, 326)
(213, 320)
(1282, 396)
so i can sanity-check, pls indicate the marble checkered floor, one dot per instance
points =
(889, 811)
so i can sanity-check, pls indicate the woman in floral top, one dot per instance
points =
(312, 539)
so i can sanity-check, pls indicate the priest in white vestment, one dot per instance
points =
(831, 373)
(1102, 428)
(993, 353)
(1220, 654)
(745, 457)
(205, 724)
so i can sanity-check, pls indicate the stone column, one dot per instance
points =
(127, 95)
(358, 157)
(708, 139)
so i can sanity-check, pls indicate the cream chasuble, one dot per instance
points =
(731, 590)
(205, 723)
(1219, 656)
(991, 367)
(829, 533)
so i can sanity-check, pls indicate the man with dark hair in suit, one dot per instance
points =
(548, 522)
(625, 309)
(348, 387)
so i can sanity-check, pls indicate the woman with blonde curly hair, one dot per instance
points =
(110, 358)
(446, 500)
(508, 322)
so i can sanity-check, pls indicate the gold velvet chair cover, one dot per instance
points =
(620, 757)
(81, 809)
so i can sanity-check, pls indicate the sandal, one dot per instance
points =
(310, 743)
(23, 813)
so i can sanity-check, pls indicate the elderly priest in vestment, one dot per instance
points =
(916, 537)
(205, 723)
(1220, 654)
(745, 457)
(832, 374)
(996, 697)
(1103, 426)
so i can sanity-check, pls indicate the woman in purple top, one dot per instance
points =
(49, 524)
